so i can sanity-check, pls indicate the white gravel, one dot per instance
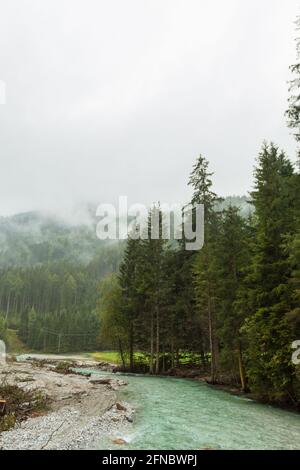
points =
(68, 429)
(84, 412)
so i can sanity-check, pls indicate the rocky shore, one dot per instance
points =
(82, 410)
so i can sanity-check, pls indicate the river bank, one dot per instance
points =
(224, 385)
(82, 409)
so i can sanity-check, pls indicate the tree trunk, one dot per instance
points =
(44, 342)
(151, 345)
(214, 348)
(242, 369)
(203, 359)
(131, 362)
(7, 308)
(172, 354)
(211, 347)
(211, 342)
(177, 358)
(157, 342)
(122, 354)
(59, 343)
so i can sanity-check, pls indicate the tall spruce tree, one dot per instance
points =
(293, 241)
(232, 258)
(269, 354)
(205, 275)
(153, 282)
(132, 300)
(293, 112)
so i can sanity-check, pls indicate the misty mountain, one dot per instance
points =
(34, 238)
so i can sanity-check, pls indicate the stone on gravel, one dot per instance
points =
(120, 407)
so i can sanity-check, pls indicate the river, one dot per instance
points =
(181, 414)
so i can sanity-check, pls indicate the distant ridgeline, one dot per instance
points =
(33, 238)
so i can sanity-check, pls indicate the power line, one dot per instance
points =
(59, 333)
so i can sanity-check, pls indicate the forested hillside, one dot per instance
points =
(49, 274)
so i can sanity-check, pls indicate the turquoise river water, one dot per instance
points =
(181, 414)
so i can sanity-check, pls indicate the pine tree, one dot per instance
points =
(153, 282)
(132, 303)
(205, 261)
(114, 324)
(293, 112)
(269, 355)
(233, 258)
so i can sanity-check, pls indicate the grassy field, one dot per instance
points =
(114, 358)
(107, 356)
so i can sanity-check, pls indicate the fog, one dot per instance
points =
(118, 98)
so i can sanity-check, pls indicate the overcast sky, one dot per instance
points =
(109, 98)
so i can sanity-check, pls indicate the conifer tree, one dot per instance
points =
(233, 258)
(269, 355)
(205, 260)
(132, 302)
(293, 112)
(153, 282)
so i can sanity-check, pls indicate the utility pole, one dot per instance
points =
(59, 342)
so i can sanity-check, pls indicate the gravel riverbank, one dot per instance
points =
(82, 412)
